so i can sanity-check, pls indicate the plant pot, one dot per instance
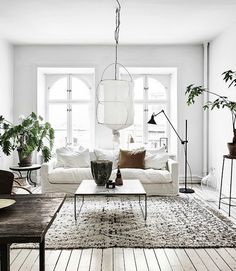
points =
(232, 149)
(101, 171)
(24, 161)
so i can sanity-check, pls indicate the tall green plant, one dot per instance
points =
(220, 102)
(28, 136)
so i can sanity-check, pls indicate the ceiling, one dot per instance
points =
(93, 21)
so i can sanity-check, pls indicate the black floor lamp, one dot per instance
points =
(184, 142)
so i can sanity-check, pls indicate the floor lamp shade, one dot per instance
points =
(115, 107)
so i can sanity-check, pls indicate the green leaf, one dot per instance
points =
(193, 92)
(230, 76)
(46, 154)
(6, 147)
(51, 134)
(6, 126)
(33, 116)
(40, 145)
(47, 125)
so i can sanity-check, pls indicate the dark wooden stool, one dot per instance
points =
(232, 158)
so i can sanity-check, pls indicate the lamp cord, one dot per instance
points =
(116, 35)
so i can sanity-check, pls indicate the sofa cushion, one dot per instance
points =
(63, 150)
(156, 161)
(111, 155)
(76, 175)
(132, 159)
(147, 176)
(69, 175)
(73, 158)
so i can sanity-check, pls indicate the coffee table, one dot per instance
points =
(129, 188)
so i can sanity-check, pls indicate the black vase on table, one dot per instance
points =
(118, 180)
(101, 171)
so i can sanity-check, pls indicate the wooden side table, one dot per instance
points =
(28, 171)
(232, 158)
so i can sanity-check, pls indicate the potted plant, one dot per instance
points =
(26, 137)
(220, 102)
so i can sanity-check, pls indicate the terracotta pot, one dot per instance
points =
(232, 149)
(101, 171)
(24, 161)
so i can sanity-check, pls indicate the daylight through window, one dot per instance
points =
(68, 108)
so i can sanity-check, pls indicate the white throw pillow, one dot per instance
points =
(112, 155)
(63, 150)
(73, 157)
(156, 161)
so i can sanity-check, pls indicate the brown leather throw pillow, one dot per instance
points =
(132, 159)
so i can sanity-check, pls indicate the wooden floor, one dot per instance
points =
(129, 259)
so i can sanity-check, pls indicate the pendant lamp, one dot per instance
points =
(115, 108)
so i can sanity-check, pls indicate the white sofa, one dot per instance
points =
(155, 182)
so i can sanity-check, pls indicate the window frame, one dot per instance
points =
(146, 102)
(69, 101)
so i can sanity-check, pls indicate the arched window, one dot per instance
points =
(68, 108)
(151, 94)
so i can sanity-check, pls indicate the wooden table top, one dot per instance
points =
(29, 218)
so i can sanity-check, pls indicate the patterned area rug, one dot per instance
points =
(172, 222)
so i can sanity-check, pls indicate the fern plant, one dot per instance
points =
(220, 101)
(30, 135)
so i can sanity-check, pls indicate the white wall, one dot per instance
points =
(222, 58)
(6, 91)
(187, 59)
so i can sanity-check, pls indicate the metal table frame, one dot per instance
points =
(28, 171)
(110, 194)
(232, 158)
(5, 256)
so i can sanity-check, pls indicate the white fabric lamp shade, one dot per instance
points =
(115, 104)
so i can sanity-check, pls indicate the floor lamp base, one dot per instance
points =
(186, 190)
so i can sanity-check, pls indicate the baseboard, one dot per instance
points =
(195, 179)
